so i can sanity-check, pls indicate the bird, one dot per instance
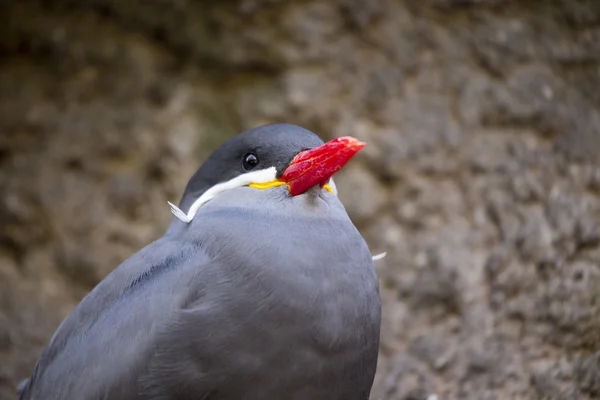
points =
(261, 288)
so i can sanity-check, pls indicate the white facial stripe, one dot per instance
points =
(260, 176)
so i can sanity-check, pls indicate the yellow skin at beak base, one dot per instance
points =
(275, 183)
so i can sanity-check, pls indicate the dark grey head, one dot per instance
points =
(273, 145)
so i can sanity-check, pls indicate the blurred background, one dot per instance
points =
(481, 177)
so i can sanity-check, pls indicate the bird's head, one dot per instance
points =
(266, 157)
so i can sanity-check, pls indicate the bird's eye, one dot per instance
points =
(250, 161)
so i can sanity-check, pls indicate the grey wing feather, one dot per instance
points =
(103, 347)
(21, 387)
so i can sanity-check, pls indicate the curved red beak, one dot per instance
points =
(315, 166)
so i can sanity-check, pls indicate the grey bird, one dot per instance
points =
(261, 289)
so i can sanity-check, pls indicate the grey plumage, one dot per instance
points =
(261, 296)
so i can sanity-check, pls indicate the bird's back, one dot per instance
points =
(101, 349)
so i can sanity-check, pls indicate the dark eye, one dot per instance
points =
(250, 161)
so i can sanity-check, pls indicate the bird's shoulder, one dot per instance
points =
(122, 312)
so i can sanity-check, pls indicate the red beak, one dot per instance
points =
(315, 166)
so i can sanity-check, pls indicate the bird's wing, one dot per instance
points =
(102, 347)
(197, 349)
(175, 369)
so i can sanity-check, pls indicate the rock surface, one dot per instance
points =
(481, 179)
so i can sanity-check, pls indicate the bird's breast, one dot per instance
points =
(298, 273)
(292, 294)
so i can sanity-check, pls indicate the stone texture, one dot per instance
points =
(481, 178)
